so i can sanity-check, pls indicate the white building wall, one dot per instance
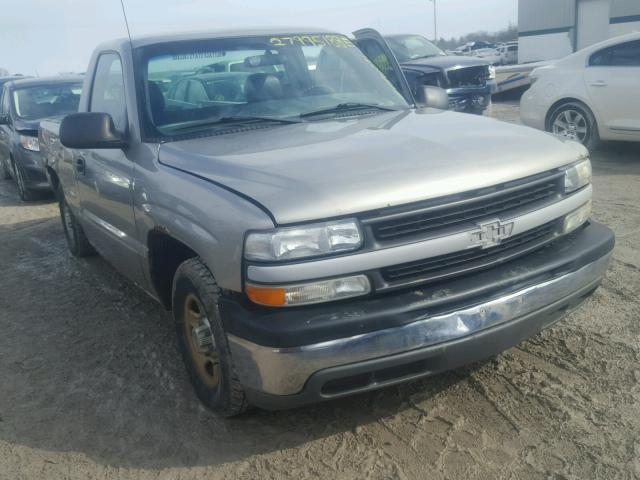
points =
(617, 29)
(549, 28)
(544, 47)
(593, 22)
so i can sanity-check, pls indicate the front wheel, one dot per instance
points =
(203, 341)
(77, 241)
(6, 173)
(575, 122)
(25, 193)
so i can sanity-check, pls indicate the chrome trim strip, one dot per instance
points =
(107, 226)
(543, 178)
(284, 371)
(120, 236)
(360, 262)
(625, 129)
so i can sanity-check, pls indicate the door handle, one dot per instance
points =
(80, 166)
(599, 83)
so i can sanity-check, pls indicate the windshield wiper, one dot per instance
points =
(346, 107)
(237, 120)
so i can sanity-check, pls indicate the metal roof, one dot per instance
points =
(142, 41)
(40, 81)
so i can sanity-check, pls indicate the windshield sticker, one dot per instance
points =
(198, 55)
(338, 41)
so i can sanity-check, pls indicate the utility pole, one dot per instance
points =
(435, 21)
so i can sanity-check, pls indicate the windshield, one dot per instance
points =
(34, 103)
(412, 47)
(205, 83)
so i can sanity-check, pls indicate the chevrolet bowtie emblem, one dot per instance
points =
(490, 234)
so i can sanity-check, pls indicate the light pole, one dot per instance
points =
(435, 21)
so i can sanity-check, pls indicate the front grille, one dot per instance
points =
(468, 76)
(501, 201)
(457, 263)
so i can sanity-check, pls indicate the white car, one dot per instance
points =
(491, 55)
(508, 53)
(591, 95)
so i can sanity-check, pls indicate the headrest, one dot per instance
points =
(156, 101)
(260, 87)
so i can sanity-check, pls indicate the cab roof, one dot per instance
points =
(41, 81)
(143, 41)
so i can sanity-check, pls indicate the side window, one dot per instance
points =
(623, 55)
(6, 105)
(376, 54)
(626, 54)
(107, 94)
(601, 58)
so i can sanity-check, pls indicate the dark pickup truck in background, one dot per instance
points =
(468, 81)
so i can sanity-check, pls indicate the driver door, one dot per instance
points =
(376, 49)
(105, 177)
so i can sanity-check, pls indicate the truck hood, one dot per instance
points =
(29, 127)
(333, 168)
(444, 62)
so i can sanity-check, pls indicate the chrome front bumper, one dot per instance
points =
(285, 371)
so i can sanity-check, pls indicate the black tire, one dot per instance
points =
(204, 346)
(77, 241)
(6, 173)
(574, 120)
(25, 193)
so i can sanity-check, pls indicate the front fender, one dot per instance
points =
(207, 218)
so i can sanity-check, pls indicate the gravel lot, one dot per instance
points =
(92, 386)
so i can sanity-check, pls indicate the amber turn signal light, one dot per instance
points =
(270, 296)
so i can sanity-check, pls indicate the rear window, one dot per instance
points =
(34, 103)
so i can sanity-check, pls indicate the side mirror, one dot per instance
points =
(89, 130)
(433, 97)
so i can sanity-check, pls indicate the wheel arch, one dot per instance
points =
(565, 101)
(165, 254)
(53, 179)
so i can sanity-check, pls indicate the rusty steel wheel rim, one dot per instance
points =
(200, 341)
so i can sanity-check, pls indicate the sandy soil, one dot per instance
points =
(92, 387)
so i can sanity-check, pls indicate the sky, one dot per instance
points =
(46, 37)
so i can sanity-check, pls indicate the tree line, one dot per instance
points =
(506, 35)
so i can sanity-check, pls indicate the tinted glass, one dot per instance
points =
(623, 55)
(34, 103)
(375, 53)
(107, 94)
(276, 77)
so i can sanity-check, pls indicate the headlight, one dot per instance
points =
(309, 293)
(492, 72)
(30, 143)
(576, 218)
(303, 242)
(577, 176)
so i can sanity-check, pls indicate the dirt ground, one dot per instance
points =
(92, 386)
